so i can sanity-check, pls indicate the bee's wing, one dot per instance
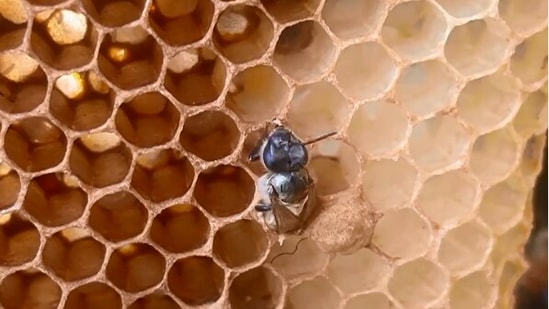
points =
(285, 219)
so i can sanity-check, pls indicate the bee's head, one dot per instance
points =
(283, 152)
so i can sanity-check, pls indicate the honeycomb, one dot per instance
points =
(125, 128)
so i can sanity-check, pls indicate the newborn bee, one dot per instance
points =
(287, 190)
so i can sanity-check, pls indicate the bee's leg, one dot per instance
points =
(255, 153)
(262, 207)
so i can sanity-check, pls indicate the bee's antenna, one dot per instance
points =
(317, 139)
(288, 253)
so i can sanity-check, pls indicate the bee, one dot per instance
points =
(287, 191)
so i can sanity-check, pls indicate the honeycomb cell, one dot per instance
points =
(531, 117)
(305, 295)
(472, 291)
(19, 240)
(72, 254)
(342, 271)
(378, 128)
(154, 301)
(259, 93)
(196, 280)
(529, 62)
(349, 19)
(417, 283)
(118, 216)
(10, 186)
(114, 13)
(180, 228)
(102, 166)
(524, 17)
(210, 135)
(388, 184)
(255, 288)
(29, 289)
(371, 300)
(307, 260)
(448, 198)
(23, 83)
(242, 33)
(285, 11)
(365, 71)
(402, 234)
(93, 295)
(135, 267)
(81, 100)
(426, 88)
(475, 38)
(195, 76)
(304, 51)
(64, 40)
(224, 190)
(168, 18)
(147, 120)
(438, 142)
(489, 102)
(494, 156)
(239, 243)
(35, 144)
(415, 29)
(52, 202)
(130, 58)
(13, 29)
(320, 101)
(467, 8)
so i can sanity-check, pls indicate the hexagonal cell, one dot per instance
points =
(345, 274)
(180, 228)
(334, 165)
(524, 17)
(438, 142)
(285, 11)
(100, 159)
(473, 291)
(489, 102)
(147, 120)
(255, 288)
(130, 57)
(304, 51)
(365, 71)
(64, 40)
(19, 240)
(167, 18)
(118, 216)
(305, 295)
(414, 29)
(162, 174)
(240, 243)
(52, 202)
(529, 62)
(475, 38)
(389, 184)
(23, 83)
(259, 94)
(10, 186)
(29, 288)
(135, 267)
(467, 8)
(402, 234)
(154, 301)
(196, 280)
(210, 135)
(195, 76)
(93, 295)
(378, 128)
(425, 88)
(320, 101)
(349, 19)
(114, 13)
(72, 254)
(532, 115)
(12, 27)
(447, 198)
(81, 100)
(35, 144)
(494, 156)
(242, 33)
(417, 283)
(224, 190)
(371, 300)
